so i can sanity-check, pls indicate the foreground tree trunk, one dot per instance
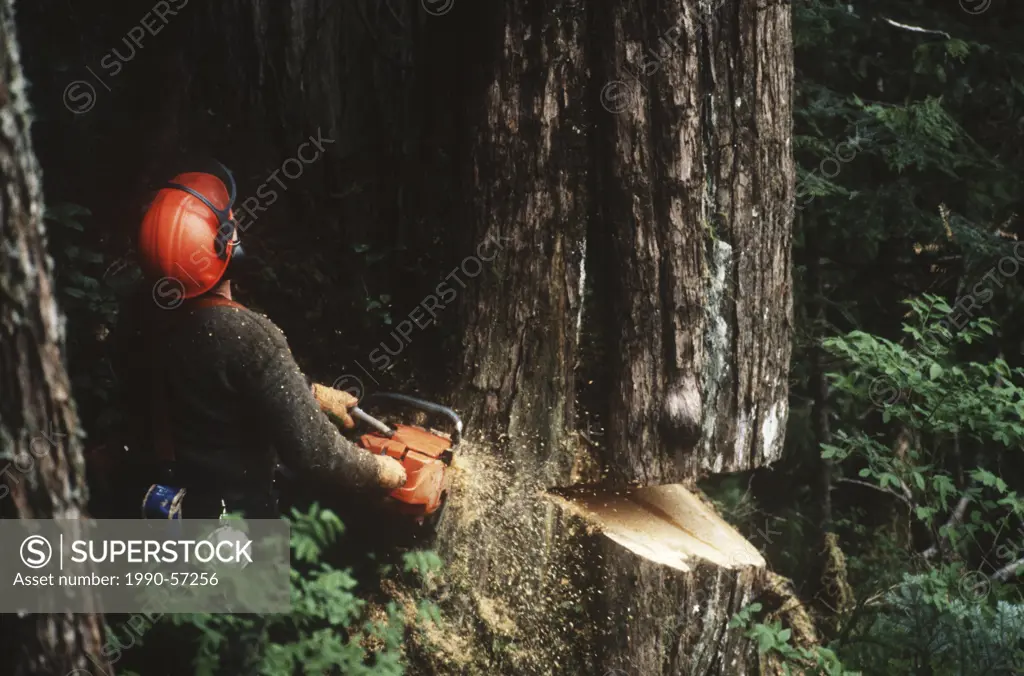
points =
(40, 449)
(626, 305)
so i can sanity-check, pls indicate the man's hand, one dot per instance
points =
(336, 402)
(390, 473)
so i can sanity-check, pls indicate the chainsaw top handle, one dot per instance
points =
(410, 402)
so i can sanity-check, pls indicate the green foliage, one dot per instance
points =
(941, 402)
(780, 534)
(937, 622)
(89, 286)
(773, 640)
(929, 623)
(892, 127)
(313, 532)
(330, 628)
(83, 273)
(954, 617)
(426, 565)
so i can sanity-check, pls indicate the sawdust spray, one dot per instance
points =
(516, 565)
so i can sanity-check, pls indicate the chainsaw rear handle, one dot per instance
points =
(411, 402)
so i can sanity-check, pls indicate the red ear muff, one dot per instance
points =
(227, 232)
(189, 233)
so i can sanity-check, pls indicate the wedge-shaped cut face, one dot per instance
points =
(665, 524)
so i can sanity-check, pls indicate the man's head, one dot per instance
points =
(189, 233)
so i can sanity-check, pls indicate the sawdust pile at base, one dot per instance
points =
(508, 564)
(449, 649)
(517, 567)
(665, 524)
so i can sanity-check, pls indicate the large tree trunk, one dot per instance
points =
(40, 448)
(632, 163)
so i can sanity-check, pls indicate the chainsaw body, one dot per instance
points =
(425, 453)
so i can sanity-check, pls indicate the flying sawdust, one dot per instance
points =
(521, 569)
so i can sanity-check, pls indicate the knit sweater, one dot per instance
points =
(236, 401)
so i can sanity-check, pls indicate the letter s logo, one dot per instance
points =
(168, 293)
(36, 551)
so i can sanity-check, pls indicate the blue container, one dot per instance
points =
(162, 502)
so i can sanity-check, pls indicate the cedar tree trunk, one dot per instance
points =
(627, 171)
(40, 449)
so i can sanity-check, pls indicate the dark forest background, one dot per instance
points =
(342, 247)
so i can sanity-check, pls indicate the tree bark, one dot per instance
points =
(696, 178)
(633, 166)
(40, 446)
(517, 75)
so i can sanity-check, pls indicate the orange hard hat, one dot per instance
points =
(189, 233)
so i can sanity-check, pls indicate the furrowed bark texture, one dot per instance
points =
(525, 167)
(40, 450)
(639, 153)
(696, 175)
(672, 622)
(517, 77)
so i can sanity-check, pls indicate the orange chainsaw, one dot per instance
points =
(425, 453)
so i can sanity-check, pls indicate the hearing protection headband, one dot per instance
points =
(227, 229)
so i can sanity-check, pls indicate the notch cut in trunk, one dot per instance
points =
(665, 524)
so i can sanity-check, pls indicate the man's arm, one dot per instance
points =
(337, 403)
(306, 440)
